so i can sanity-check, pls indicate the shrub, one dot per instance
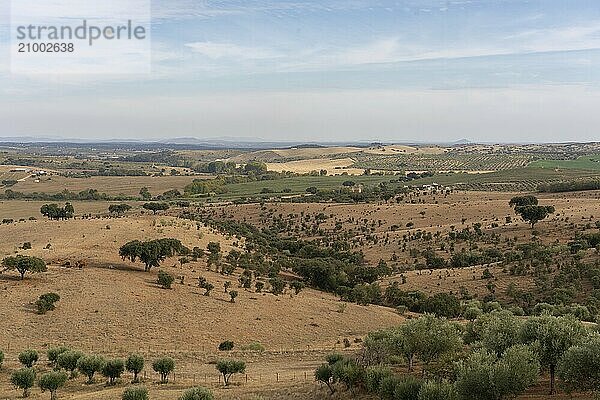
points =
(408, 388)
(387, 387)
(28, 358)
(226, 346)
(68, 361)
(135, 393)
(46, 302)
(253, 346)
(135, 365)
(165, 279)
(1, 358)
(164, 366)
(432, 390)
(197, 393)
(334, 358)
(229, 367)
(89, 365)
(24, 379)
(52, 381)
(113, 369)
(233, 294)
(54, 352)
(374, 377)
(324, 374)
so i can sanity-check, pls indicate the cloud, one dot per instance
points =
(217, 51)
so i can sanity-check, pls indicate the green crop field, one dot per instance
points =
(521, 179)
(591, 162)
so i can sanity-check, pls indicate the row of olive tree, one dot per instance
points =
(502, 358)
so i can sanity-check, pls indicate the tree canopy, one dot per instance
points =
(24, 264)
(152, 253)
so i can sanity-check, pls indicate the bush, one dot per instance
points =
(334, 358)
(229, 367)
(113, 369)
(52, 381)
(89, 365)
(28, 358)
(54, 352)
(387, 387)
(437, 391)
(324, 374)
(135, 393)
(253, 346)
(24, 379)
(68, 361)
(226, 346)
(197, 393)
(165, 279)
(164, 366)
(135, 365)
(374, 377)
(1, 358)
(407, 388)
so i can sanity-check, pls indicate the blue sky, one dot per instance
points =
(404, 70)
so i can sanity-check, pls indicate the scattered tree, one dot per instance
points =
(156, 207)
(534, 214)
(233, 294)
(52, 381)
(119, 209)
(164, 366)
(113, 369)
(24, 264)
(135, 365)
(23, 379)
(229, 367)
(89, 365)
(165, 279)
(46, 302)
(28, 358)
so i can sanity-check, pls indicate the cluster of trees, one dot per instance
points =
(152, 253)
(505, 356)
(65, 195)
(569, 186)
(53, 211)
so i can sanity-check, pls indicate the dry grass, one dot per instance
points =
(333, 167)
(112, 185)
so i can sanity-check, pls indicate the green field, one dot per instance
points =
(591, 162)
(521, 179)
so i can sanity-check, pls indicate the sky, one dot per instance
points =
(332, 70)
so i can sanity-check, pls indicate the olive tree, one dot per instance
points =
(52, 381)
(485, 376)
(496, 331)
(229, 367)
(135, 365)
(324, 374)
(24, 264)
(551, 337)
(164, 366)
(113, 369)
(54, 352)
(28, 358)
(579, 367)
(197, 393)
(89, 365)
(68, 361)
(23, 379)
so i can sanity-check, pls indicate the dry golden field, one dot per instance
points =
(111, 185)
